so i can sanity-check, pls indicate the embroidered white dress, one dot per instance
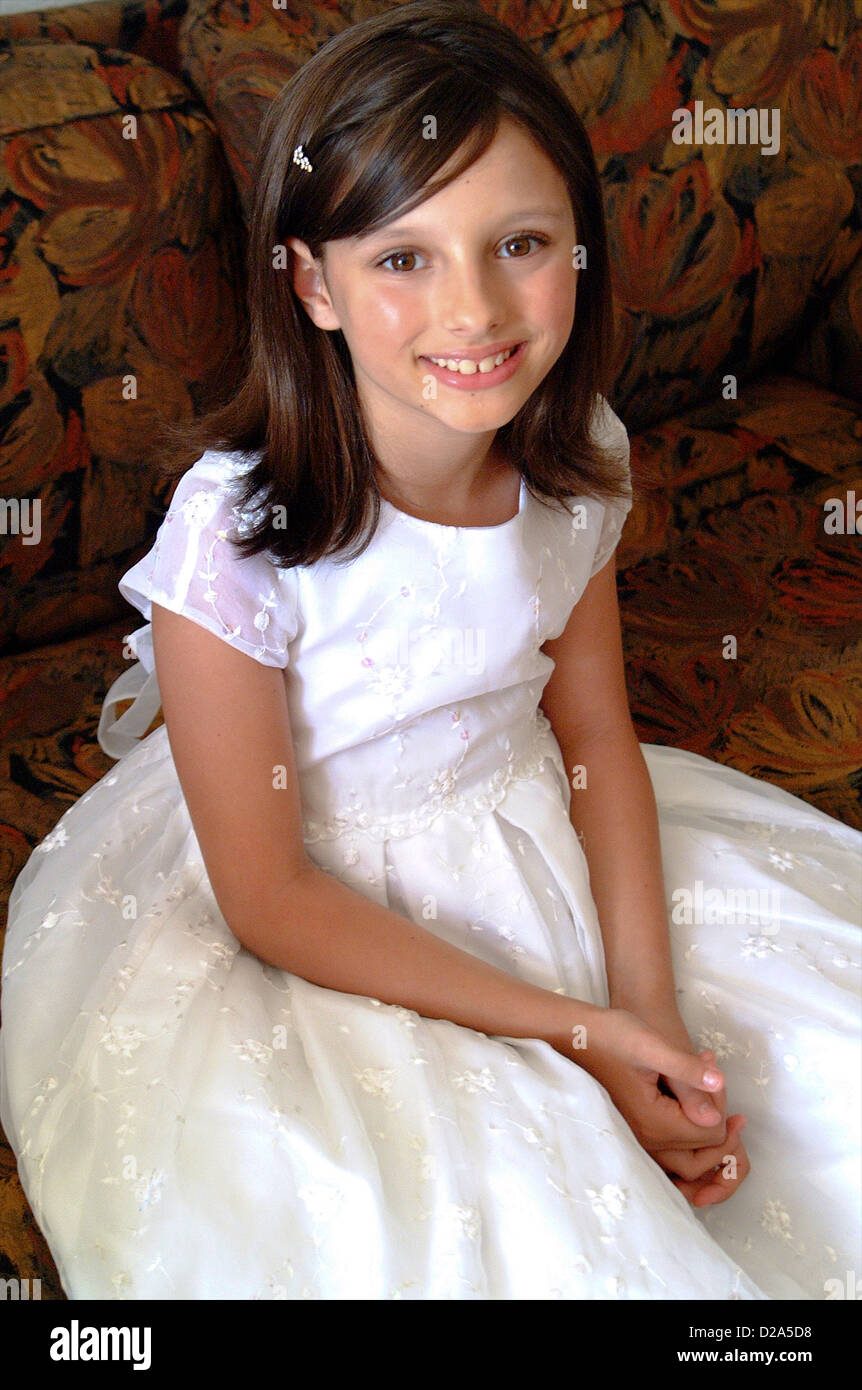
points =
(192, 1123)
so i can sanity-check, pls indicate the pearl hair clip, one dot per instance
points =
(300, 158)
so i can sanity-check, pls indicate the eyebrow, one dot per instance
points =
(405, 231)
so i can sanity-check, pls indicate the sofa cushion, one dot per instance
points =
(717, 248)
(146, 27)
(117, 300)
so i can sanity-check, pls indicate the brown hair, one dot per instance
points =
(355, 107)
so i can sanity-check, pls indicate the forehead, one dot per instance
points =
(512, 181)
(410, 226)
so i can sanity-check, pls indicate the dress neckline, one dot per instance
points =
(445, 526)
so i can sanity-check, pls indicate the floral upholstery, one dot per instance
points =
(718, 251)
(148, 28)
(117, 299)
(116, 256)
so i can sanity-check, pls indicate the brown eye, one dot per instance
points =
(525, 237)
(400, 256)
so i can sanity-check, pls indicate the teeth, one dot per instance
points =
(467, 367)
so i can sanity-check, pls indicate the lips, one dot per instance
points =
(469, 375)
(472, 355)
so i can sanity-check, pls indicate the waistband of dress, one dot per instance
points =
(471, 794)
(474, 791)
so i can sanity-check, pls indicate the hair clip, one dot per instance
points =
(300, 159)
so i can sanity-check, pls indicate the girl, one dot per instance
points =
(319, 994)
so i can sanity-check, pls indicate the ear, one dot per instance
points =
(310, 286)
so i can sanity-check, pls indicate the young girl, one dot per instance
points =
(356, 977)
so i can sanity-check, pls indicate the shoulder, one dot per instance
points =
(607, 428)
(585, 529)
(212, 487)
(194, 569)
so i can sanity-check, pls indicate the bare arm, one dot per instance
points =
(587, 705)
(229, 730)
(622, 827)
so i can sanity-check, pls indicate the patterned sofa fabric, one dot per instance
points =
(117, 301)
(147, 28)
(740, 604)
(831, 351)
(722, 252)
(719, 252)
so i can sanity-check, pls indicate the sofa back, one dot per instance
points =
(728, 140)
(728, 143)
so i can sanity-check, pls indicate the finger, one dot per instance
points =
(719, 1181)
(669, 1128)
(691, 1164)
(656, 1054)
(720, 1186)
(697, 1105)
(717, 1186)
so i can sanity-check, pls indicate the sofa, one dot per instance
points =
(127, 133)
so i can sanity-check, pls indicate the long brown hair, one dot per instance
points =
(355, 107)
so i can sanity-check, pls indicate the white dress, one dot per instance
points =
(192, 1123)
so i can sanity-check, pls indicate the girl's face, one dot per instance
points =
(485, 263)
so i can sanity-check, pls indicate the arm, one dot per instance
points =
(227, 734)
(587, 705)
(616, 815)
(228, 731)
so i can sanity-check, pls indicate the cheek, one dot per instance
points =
(552, 299)
(384, 317)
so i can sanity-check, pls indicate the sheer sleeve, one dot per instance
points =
(609, 429)
(194, 569)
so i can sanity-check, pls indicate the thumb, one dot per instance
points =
(694, 1103)
(677, 1066)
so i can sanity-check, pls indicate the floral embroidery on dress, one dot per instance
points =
(395, 1154)
(123, 1041)
(610, 1200)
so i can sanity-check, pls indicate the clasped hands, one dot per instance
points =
(655, 1077)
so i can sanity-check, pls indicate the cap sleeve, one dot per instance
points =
(194, 569)
(610, 430)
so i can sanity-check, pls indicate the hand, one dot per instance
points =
(629, 1057)
(704, 1176)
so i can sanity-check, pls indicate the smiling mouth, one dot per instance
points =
(470, 366)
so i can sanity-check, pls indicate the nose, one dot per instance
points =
(469, 298)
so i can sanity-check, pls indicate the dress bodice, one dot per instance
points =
(414, 673)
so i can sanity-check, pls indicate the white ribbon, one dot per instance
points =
(119, 736)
